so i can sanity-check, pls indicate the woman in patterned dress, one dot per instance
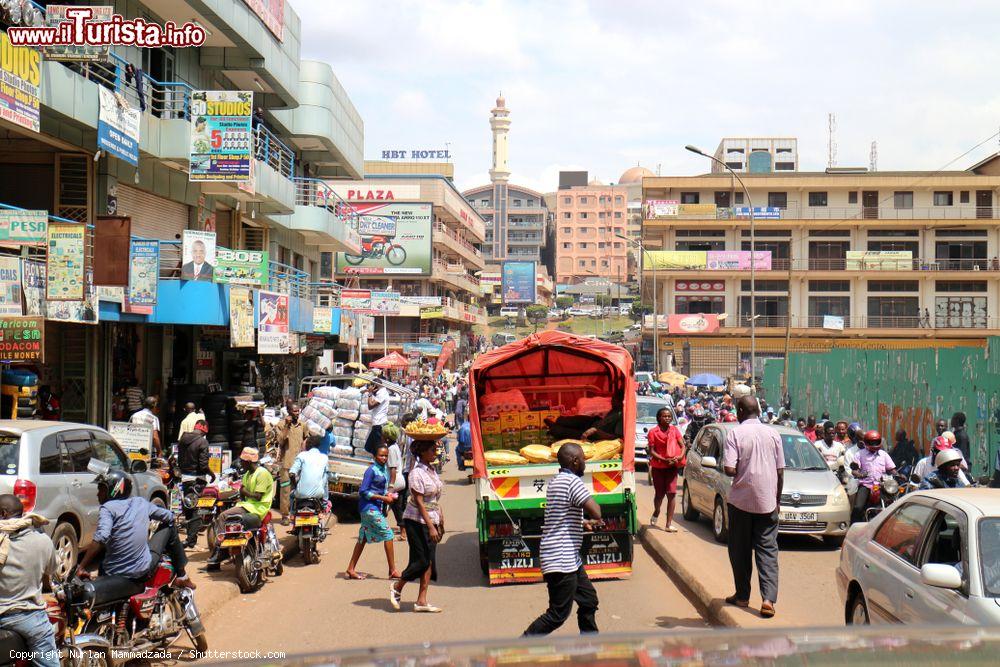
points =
(372, 502)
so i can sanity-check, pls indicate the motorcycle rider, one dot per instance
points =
(699, 418)
(310, 473)
(942, 443)
(868, 468)
(949, 472)
(27, 561)
(257, 491)
(828, 447)
(192, 454)
(122, 534)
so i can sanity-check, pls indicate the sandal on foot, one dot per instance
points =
(735, 601)
(427, 609)
(394, 597)
(767, 609)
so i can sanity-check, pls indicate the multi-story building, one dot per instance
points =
(412, 168)
(439, 234)
(853, 259)
(178, 339)
(590, 221)
(757, 155)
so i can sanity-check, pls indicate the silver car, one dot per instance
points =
(932, 557)
(45, 464)
(813, 501)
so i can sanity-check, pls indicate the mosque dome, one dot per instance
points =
(634, 175)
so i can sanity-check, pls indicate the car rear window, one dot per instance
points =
(10, 453)
(646, 412)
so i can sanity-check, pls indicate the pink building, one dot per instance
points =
(588, 220)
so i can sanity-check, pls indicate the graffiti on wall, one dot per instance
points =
(917, 422)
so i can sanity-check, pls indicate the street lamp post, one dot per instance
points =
(656, 318)
(753, 259)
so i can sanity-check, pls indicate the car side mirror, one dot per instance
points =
(138, 465)
(941, 575)
(709, 462)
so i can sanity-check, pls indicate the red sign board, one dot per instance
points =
(693, 324)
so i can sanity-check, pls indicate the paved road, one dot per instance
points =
(314, 608)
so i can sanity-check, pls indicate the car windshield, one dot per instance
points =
(10, 449)
(646, 412)
(989, 555)
(800, 454)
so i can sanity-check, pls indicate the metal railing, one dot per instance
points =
(272, 151)
(326, 293)
(316, 192)
(871, 263)
(931, 322)
(857, 212)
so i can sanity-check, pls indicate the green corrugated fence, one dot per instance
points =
(893, 389)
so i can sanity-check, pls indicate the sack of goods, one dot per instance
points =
(350, 415)
(343, 450)
(329, 393)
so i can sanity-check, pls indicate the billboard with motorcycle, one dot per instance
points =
(395, 240)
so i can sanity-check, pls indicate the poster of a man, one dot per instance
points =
(198, 256)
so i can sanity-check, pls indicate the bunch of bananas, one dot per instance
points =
(421, 428)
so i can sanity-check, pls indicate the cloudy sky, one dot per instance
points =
(603, 85)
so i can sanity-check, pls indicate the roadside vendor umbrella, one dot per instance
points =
(705, 380)
(393, 360)
(673, 378)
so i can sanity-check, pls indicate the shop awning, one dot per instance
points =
(393, 361)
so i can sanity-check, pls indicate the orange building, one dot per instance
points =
(589, 219)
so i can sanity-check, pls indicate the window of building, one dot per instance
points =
(702, 233)
(582, 246)
(567, 200)
(771, 311)
(618, 214)
(893, 311)
(767, 233)
(604, 262)
(700, 245)
(960, 312)
(567, 246)
(738, 197)
(829, 285)
(960, 255)
(484, 203)
(902, 199)
(784, 166)
(829, 233)
(531, 202)
(593, 262)
(959, 232)
(690, 197)
(817, 199)
(517, 202)
(963, 197)
(777, 199)
(960, 285)
(600, 245)
(944, 198)
(912, 247)
(618, 245)
(819, 306)
(893, 286)
(894, 233)
(766, 285)
(735, 166)
(583, 262)
(567, 230)
(697, 304)
(583, 201)
(567, 216)
(586, 230)
(601, 215)
(828, 255)
(852, 197)
(619, 200)
(583, 215)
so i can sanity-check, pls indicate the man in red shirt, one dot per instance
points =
(666, 457)
(810, 430)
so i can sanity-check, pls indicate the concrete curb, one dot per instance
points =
(713, 609)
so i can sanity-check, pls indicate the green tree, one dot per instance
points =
(638, 311)
(537, 314)
(602, 300)
(565, 301)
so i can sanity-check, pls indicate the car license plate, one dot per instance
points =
(307, 521)
(206, 502)
(234, 542)
(803, 517)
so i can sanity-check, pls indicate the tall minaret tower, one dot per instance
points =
(499, 175)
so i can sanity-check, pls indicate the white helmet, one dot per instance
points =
(946, 456)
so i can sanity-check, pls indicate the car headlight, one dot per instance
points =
(839, 495)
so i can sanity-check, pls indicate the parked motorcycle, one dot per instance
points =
(884, 493)
(216, 498)
(309, 525)
(252, 545)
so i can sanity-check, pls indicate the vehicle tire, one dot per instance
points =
(305, 546)
(67, 549)
(835, 541)
(247, 578)
(395, 255)
(200, 642)
(279, 569)
(354, 259)
(857, 610)
(689, 512)
(720, 531)
(210, 536)
(484, 560)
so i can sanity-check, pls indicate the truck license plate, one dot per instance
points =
(798, 517)
(206, 502)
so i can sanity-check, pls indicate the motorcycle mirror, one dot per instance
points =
(915, 478)
(98, 467)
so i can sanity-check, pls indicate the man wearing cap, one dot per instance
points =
(257, 493)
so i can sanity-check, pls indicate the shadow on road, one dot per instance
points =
(458, 562)
(703, 531)
(675, 622)
(380, 604)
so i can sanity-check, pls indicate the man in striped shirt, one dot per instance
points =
(566, 500)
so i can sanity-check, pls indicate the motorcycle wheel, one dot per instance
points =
(91, 656)
(248, 578)
(354, 259)
(279, 569)
(210, 535)
(200, 641)
(395, 255)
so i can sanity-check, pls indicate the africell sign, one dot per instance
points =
(375, 191)
(693, 324)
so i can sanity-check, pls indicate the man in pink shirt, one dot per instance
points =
(754, 458)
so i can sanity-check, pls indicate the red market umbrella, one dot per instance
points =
(393, 360)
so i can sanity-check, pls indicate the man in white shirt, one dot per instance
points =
(378, 406)
(831, 450)
(148, 416)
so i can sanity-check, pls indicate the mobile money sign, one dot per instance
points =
(395, 240)
(20, 77)
(143, 274)
(23, 226)
(21, 338)
(517, 282)
(221, 143)
(117, 127)
(65, 264)
(241, 267)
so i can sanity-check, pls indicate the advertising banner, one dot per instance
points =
(144, 270)
(111, 244)
(22, 339)
(241, 267)
(833, 322)
(700, 210)
(20, 77)
(133, 438)
(693, 324)
(759, 212)
(356, 300)
(241, 317)
(879, 260)
(117, 126)
(426, 349)
(23, 227)
(700, 285)
(385, 303)
(33, 287)
(56, 14)
(447, 349)
(221, 144)
(737, 260)
(323, 319)
(10, 285)
(662, 208)
(85, 311)
(422, 300)
(432, 312)
(395, 240)
(518, 282)
(65, 262)
(272, 330)
(198, 255)
(675, 259)
(272, 13)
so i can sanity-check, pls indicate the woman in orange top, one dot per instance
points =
(666, 457)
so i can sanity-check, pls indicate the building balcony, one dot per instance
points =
(532, 225)
(825, 213)
(458, 245)
(527, 210)
(456, 276)
(272, 186)
(883, 267)
(860, 326)
(322, 217)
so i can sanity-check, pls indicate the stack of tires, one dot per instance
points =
(236, 421)
(214, 406)
(242, 377)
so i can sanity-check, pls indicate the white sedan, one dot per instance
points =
(932, 557)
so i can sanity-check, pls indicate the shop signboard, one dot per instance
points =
(133, 438)
(20, 78)
(10, 285)
(271, 13)
(737, 260)
(693, 324)
(56, 15)
(85, 311)
(518, 282)
(241, 267)
(117, 126)
(699, 210)
(395, 240)
(23, 227)
(356, 300)
(33, 287)
(700, 285)
(22, 339)
(241, 330)
(198, 255)
(215, 459)
(221, 143)
(432, 312)
(272, 329)
(673, 260)
(759, 212)
(421, 300)
(662, 208)
(833, 322)
(385, 303)
(143, 275)
(426, 349)
(879, 260)
(65, 262)
(323, 319)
